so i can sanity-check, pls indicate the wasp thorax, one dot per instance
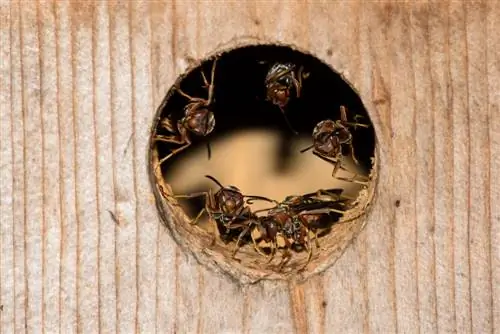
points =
(281, 217)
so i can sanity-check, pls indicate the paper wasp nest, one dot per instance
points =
(263, 163)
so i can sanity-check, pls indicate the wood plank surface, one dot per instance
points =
(81, 245)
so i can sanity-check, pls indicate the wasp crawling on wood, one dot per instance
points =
(281, 80)
(330, 138)
(225, 207)
(198, 119)
(293, 223)
(286, 224)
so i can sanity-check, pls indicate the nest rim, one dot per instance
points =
(218, 257)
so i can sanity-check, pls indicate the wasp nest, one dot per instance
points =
(263, 162)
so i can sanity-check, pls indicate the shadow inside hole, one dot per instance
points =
(240, 104)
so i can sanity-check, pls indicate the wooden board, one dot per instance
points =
(79, 86)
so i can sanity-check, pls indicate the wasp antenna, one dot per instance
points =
(262, 210)
(343, 114)
(306, 149)
(288, 123)
(209, 150)
(252, 197)
(215, 180)
(302, 73)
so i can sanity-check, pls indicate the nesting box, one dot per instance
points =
(83, 247)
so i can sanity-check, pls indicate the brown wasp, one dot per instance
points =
(329, 140)
(270, 231)
(280, 81)
(289, 225)
(244, 228)
(224, 207)
(198, 119)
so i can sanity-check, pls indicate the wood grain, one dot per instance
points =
(79, 85)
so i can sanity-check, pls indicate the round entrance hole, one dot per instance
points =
(245, 118)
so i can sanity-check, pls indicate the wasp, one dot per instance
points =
(244, 227)
(225, 207)
(331, 139)
(198, 119)
(286, 231)
(289, 225)
(282, 80)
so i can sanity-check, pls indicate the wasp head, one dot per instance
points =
(199, 120)
(230, 200)
(280, 81)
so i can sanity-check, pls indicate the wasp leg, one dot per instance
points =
(236, 247)
(189, 196)
(353, 156)
(257, 248)
(284, 259)
(183, 139)
(229, 223)
(174, 152)
(338, 165)
(189, 97)
(299, 81)
(206, 84)
(195, 220)
(335, 162)
(216, 231)
(355, 125)
(205, 81)
(166, 123)
(316, 241)
(204, 193)
(169, 139)
(301, 75)
(353, 180)
(309, 255)
(343, 114)
(211, 86)
(333, 195)
(353, 177)
(273, 252)
(298, 86)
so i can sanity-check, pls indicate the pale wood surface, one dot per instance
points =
(79, 86)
